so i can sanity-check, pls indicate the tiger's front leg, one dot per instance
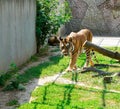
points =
(72, 65)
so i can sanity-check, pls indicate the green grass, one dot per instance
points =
(59, 96)
(12, 102)
(55, 65)
(6, 76)
(72, 96)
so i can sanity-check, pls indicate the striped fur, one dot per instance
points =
(89, 54)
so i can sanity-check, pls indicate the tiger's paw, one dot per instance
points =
(75, 67)
(69, 69)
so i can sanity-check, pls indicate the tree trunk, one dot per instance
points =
(114, 55)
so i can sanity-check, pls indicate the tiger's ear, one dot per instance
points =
(60, 38)
(70, 39)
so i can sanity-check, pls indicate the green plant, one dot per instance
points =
(33, 58)
(4, 78)
(7, 75)
(13, 67)
(11, 83)
(50, 15)
(8, 80)
(12, 102)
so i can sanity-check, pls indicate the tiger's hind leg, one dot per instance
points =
(88, 58)
(94, 56)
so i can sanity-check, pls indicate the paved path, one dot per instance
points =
(107, 41)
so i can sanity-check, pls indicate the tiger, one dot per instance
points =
(53, 41)
(73, 45)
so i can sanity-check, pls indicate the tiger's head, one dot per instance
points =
(66, 45)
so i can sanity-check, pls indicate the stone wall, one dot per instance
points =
(100, 16)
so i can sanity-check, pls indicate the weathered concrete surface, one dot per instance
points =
(17, 31)
(101, 16)
(107, 41)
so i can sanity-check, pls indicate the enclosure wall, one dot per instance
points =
(17, 31)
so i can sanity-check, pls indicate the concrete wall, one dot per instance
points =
(17, 31)
(101, 16)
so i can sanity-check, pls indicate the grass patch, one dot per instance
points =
(33, 58)
(55, 65)
(12, 102)
(59, 96)
(4, 78)
(11, 73)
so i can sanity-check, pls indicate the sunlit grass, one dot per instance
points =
(58, 96)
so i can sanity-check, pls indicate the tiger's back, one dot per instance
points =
(85, 34)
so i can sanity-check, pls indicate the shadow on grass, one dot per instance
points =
(58, 96)
(36, 72)
(66, 98)
(65, 101)
(103, 94)
(74, 76)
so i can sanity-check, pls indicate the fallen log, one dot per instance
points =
(111, 54)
